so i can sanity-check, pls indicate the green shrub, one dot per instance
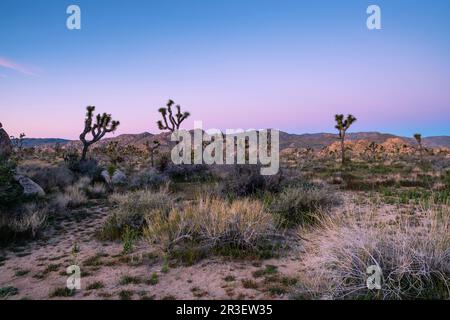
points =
(132, 210)
(298, 205)
(246, 180)
(8, 291)
(11, 192)
(129, 238)
(210, 225)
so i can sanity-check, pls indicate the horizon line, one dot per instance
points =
(297, 134)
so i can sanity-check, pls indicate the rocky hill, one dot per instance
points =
(287, 140)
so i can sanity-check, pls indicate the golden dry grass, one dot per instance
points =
(412, 250)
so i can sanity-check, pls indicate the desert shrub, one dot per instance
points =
(30, 220)
(73, 196)
(88, 167)
(211, 224)
(163, 162)
(96, 191)
(11, 193)
(246, 180)
(48, 177)
(413, 252)
(8, 291)
(23, 221)
(132, 210)
(71, 158)
(129, 237)
(299, 205)
(447, 179)
(149, 179)
(187, 172)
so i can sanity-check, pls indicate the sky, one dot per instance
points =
(250, 64)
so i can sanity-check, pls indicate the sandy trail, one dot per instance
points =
(37, 268)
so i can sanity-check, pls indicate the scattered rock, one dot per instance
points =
(105, 175)
(30, 188)
(119, 178)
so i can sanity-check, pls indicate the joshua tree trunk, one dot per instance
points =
(152, 149)
(84, 152)
(343, 149)
(418, 138)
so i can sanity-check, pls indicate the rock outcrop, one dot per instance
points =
(30, 188)
(6, 146)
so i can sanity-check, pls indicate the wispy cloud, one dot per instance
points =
(5, 63)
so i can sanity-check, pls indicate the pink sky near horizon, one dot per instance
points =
(260, 99)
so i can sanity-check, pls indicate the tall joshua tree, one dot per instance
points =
(418, 138)
(342, 126)
(103, 125)
(170, 120)
(152, 148)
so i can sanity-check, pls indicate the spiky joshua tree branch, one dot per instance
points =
(103, 125)
(170, 120)
(342, 126)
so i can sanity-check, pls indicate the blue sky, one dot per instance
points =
(234, 64)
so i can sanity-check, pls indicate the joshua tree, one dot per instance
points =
(372, 148)
(418, 138)
(170, 120)
(103, 125)
(343, 125)
(18, 142)
(152, 149)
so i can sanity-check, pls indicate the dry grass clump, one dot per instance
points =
(413, 252)
(29, 219)
(132, 210)
(74, 195)
(211, 223)
(97, 191)
(298, 205)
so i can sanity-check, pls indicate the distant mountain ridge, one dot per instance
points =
(287, 140)
(35, 142)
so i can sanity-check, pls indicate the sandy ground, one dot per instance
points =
(38, 268)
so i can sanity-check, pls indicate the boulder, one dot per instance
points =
(119, 178)
(30, 188)
(105, 175)
(6, 146)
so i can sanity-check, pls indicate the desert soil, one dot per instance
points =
(38, 268)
